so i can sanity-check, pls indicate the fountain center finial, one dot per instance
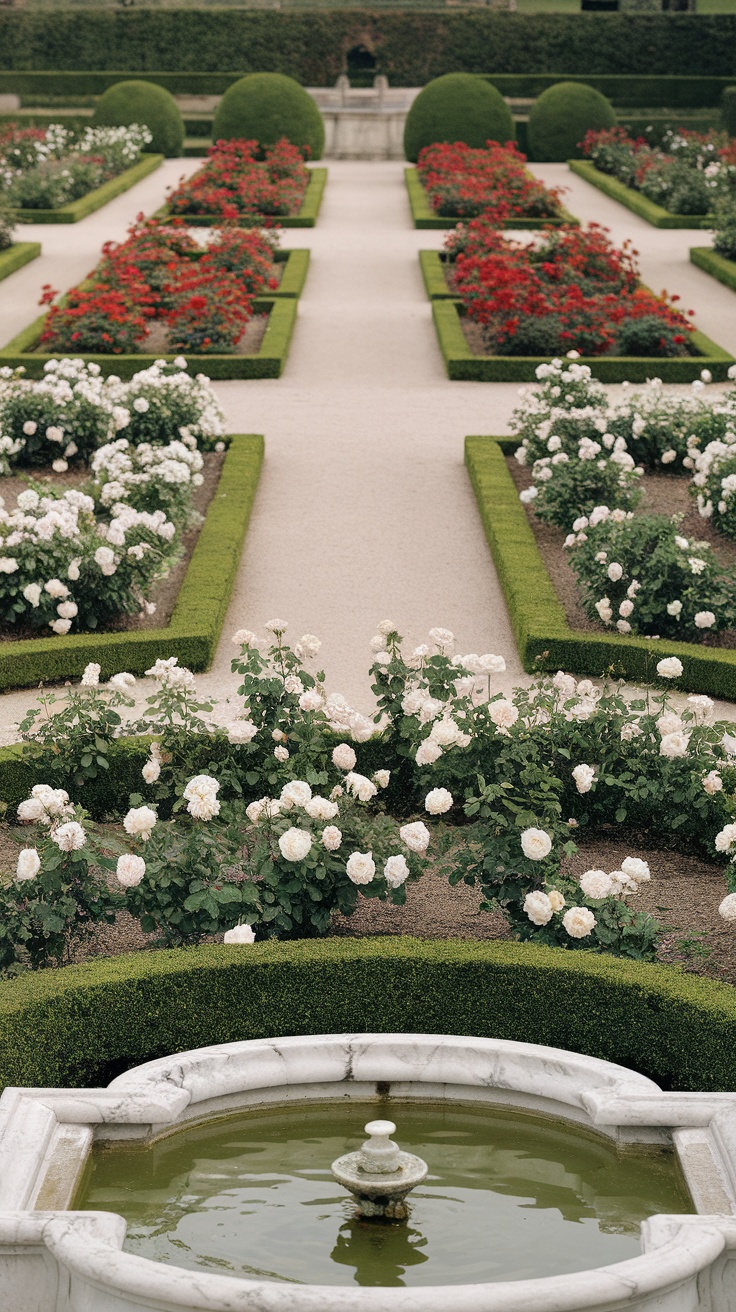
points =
(380, 1175)
(379, 1154)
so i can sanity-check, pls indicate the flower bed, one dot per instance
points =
(51, 175)
(672, 186)
(234, 186)
(15, 256)
(455, 182)
(226, 834)
(568, 289)
(161, 287)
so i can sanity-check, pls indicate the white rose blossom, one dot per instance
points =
(727, 908)
(579, 922)
(669, 668)
(151, 770)
(415, 836)
(343, 756)
(331, 838)
(584, 776)
(130, 870)
(139, 822)
(295, 844)
(69, 837)
(200, 795)
(395, 871)
(536, 844)
(538, 908)
(438, 801)
(29, 864)
(361, 867)
(239, 934)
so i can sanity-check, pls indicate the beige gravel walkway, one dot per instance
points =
(364, 510)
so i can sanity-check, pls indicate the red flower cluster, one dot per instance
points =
(203, 295)
(569, 289)
(463, 181)
(234, 182)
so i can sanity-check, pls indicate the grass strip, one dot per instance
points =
(94, 200)
(633, 200)
(543, 636)
(194, 629)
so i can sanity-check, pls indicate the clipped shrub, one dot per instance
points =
(560, 118)
(728, 110)
(73, 1026)
(266, 107)
(143, 102)
(457, 107)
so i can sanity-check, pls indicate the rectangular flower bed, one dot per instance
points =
(714, 264)
(94, 200)
(267, 362)
(194, 629)
(233, 185)
(20, 253)
(633, 200)
(543, 636)
(501, 308)
(472, 182)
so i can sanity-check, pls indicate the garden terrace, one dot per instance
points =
(452, 183)
(234, 185)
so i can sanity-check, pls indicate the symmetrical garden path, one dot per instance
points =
(364, 510)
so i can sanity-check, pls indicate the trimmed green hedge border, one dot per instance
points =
(94, 200)
(714, 264)
(306, 218)
(204, 596)
(20, 253)
(295, 273)
(633, 200)
(268, 362)
(538, 620)
(82, 1025)
(424, 216)
(462, 365)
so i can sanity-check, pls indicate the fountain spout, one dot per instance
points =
(380, 1175)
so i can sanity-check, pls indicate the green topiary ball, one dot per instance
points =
(265, 107)
(143, 102)
(560, 118)
(457, 107)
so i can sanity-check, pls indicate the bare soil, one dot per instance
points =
(165, 592)
(157, 341)
(664, 495)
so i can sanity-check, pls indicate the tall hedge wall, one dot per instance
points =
(411, 47)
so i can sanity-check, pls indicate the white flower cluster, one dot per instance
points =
(597, 885)
(714, 478)
(123, 472)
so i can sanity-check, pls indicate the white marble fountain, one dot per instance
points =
(53, 1259)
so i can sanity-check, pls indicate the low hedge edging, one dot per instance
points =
(20, 253)
(462, 365)
(94, 200)
(82, 1025)
(544, 639)
(425, 217)
(198, 616)
(714, 264)
(306, 217)
(633, 200)
(268, 361)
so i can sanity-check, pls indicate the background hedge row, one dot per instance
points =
(84, 1025)
(410, 47)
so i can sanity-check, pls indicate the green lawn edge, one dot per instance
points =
(306, 218)
(543, 637)
(633, 200)
(72, 1027)
(268, 362)
(424, 216)
(714, 264)
(20, 253)
(194, 629)
(463, 366)
(94, 200)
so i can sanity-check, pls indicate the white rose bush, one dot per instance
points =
(272, 814)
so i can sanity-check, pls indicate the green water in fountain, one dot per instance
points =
(508, 1196)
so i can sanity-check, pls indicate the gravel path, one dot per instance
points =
(364, 509)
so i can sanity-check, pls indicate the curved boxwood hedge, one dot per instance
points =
(83, 1025)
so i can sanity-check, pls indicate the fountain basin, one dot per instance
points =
(53, 1259)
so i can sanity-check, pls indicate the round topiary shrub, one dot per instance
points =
(265, 107)
(143, 102)
(457, 107)
(560, 118)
